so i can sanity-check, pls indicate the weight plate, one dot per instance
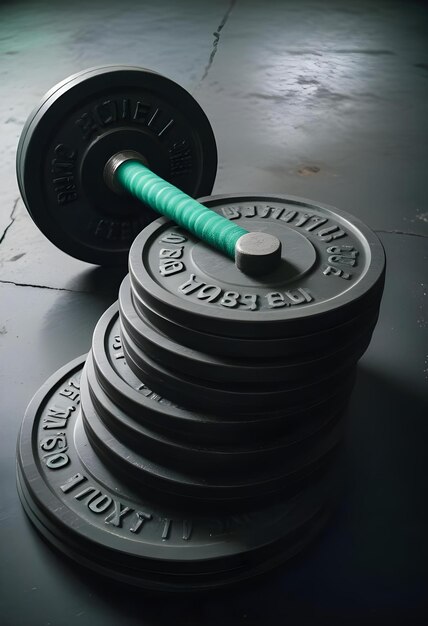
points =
(197, 394)
(94, 517)
(242, 347)
(208, 484)
(199, 364)
(237, 378)
(28, 123)
(109, 424)
(78, 126)
(204, 473)
(140, 403)
(332, 270)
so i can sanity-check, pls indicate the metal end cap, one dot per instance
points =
(257, 253)
(114, 163)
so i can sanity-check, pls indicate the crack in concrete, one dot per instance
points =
(12, 218)
(217, 39)
(11, 282)
(401, 232)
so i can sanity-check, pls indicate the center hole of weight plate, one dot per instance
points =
(298, 257)
(97, 155)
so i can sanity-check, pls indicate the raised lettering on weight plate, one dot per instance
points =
(191, 285)
(288, 215)
(165, 129)
(55, 447)
(180, 157)
(106, 112)
(72, 393)
(100, 504)
(302, 219)
(88, 494)
(141, 519)
(250, 211)
(120, 511)
(168, 253)
(57, 417)
(330, 233)
(315, 222)
(298, 296)
(73, 482)
(336, 271)
(276, 299)
(166, 529)
(187, 530)
(149, 393)
(113, 230)
(209, 293)
(173, 238)
(345, 255)
(169, 267)
(57, 460)
(63, 167)
(141, 111)
(272, 212)
(231, 213)
(87, 125)
(117, 346)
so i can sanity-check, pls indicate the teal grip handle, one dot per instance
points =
(166, 199)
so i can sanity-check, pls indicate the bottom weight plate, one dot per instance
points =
(89, 514)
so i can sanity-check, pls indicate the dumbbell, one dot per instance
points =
(70, 157)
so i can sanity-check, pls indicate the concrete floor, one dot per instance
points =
(327, 100)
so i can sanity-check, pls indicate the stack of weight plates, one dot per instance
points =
(202, 452)
(208, 336)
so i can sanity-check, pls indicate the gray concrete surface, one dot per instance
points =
(327, 100)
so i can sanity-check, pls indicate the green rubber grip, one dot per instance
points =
(166, 199)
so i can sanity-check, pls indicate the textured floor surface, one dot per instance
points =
(325, 100)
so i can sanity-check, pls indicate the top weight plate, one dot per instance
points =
(332, 269)
(78, 126)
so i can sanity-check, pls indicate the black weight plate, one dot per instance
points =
(97, 557)
(28, 123)
(113, 432)
(241, 347)
(212, 370)
(332, 269)
(197, 363)
(207, 482)
(92, 516)
(77, 127)
(197, 394)
(160, 415)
